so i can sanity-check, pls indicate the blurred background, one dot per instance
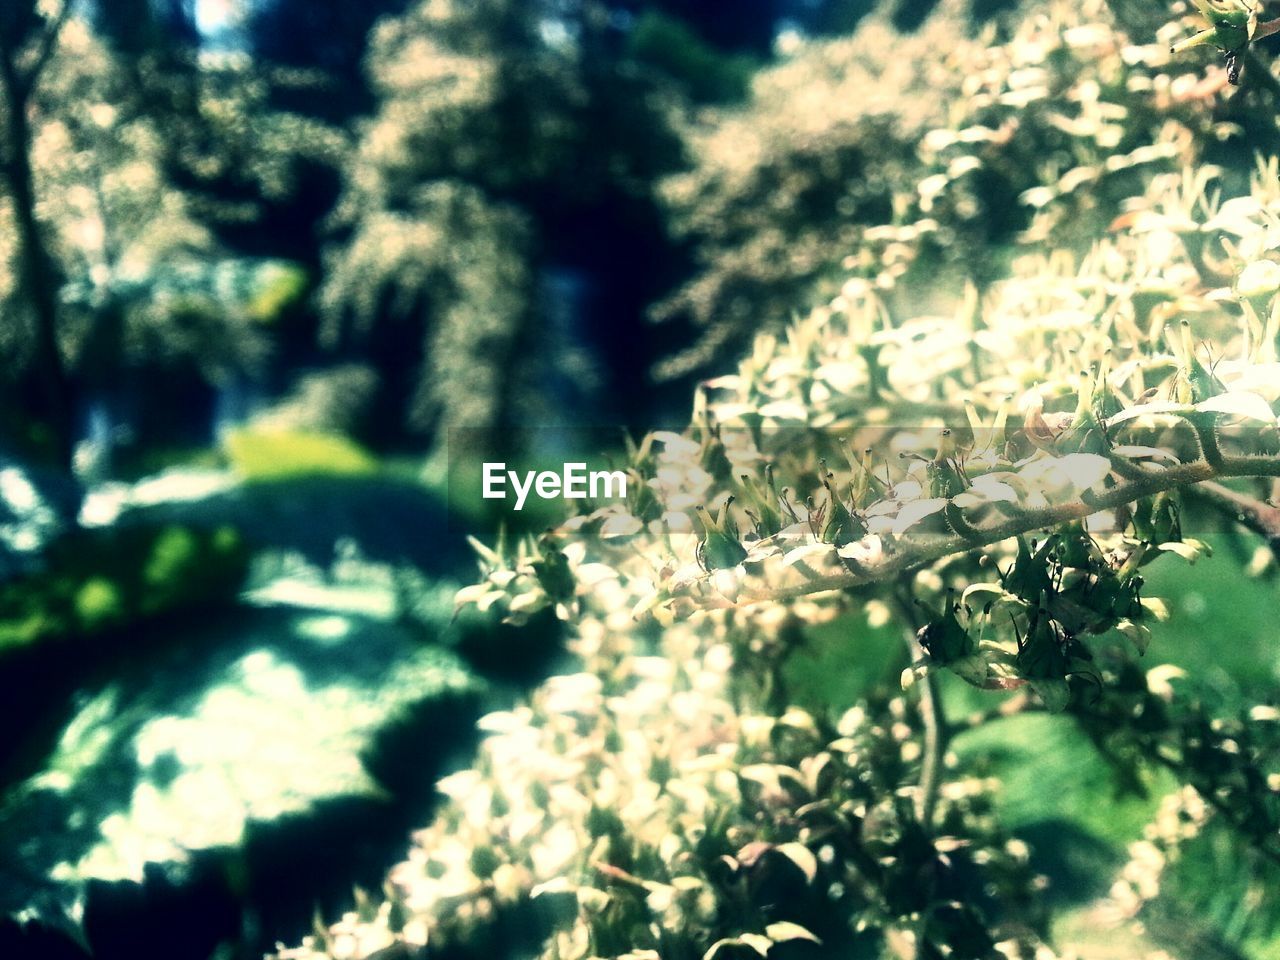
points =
(259, 261)
(377, 220)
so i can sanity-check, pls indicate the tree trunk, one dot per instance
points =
(38, 278)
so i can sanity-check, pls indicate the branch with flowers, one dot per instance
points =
(1009, 473)
(993, 470)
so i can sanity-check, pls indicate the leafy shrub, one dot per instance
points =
(995, 477)
(97, 581)
(903, 156)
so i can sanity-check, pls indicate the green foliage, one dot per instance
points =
(671, 46)
(1232, 25)
(94, 582)
(275, 454)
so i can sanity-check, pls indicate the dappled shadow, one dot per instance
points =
(218, 772)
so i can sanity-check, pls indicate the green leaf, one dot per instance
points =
(1136, 634)
(1055, 694)
(972, 669)
(992, 591)
(1134, 452)
(1150, 409)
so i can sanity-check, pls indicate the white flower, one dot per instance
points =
(868, 551)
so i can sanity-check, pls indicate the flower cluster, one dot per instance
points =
(643, 815)
(996, 463)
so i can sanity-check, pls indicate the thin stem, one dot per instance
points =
(935, 740)
(932, 716)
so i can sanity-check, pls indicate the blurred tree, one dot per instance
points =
(329, 39)
(28, 37)
(260, 172)
(503, 131)
(435, 265)
(116, 172)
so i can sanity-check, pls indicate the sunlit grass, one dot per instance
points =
(280, 454)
